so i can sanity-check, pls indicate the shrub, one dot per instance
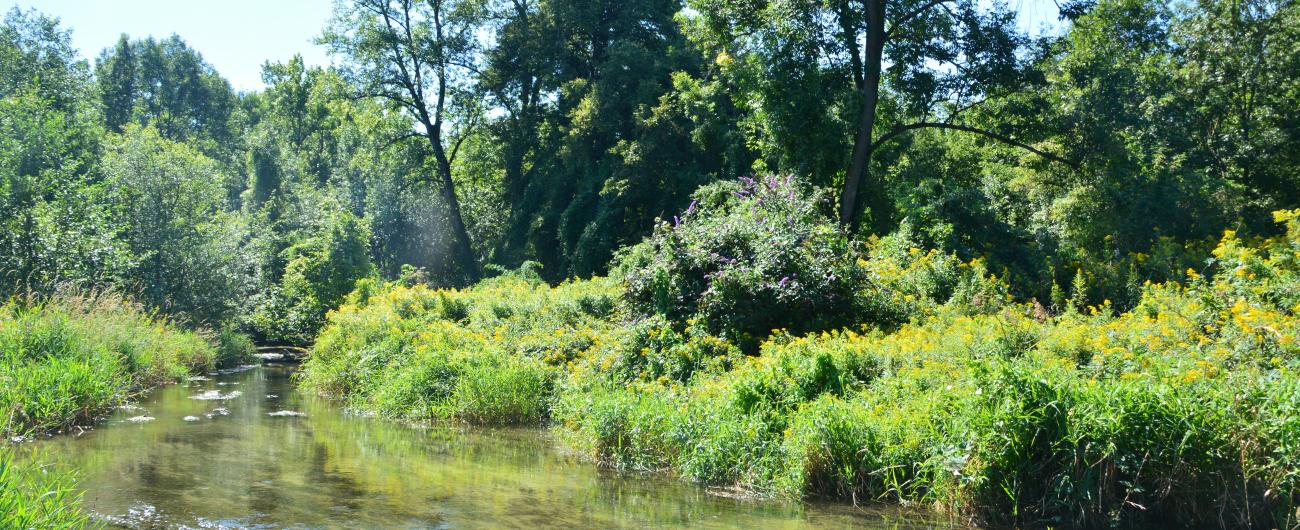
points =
(746, 258)
(754, 256)
(233, 348)
(488, 354)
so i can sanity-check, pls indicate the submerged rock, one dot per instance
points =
(235, 370)
(289, 413)
(216, 395)
(191, 418)
(140, 419)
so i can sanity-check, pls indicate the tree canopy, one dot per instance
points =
(456, 137)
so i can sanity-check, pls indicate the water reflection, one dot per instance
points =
(225, 460)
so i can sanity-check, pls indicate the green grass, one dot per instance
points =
(487, 355)
(38, 496)
(65, 360)
(1184, 411)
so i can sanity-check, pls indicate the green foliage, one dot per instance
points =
(56, 225)
(1088, 169)
(754, 256)
(749, 257)
(170, 202)
(1178, 411)
(167, 84)
(486, 355)
(36, 54)
(64, 360)
(39, 496)
(608, 127)
(321, 270)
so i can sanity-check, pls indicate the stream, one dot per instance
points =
(248, 450)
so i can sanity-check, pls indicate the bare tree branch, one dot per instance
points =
(910, 15)
(966, 128)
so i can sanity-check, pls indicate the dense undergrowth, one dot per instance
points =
(488, 354)
(68, 358)
(1184, 410)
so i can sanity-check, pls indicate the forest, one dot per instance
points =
(891, 251)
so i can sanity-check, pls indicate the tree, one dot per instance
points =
(1238, 69)
(171, 210)
(603, 127)
(168, 85)
(55, 227)
(36, 53)
(902, 64)
(417, 56)
(117, 83)
(321, 271)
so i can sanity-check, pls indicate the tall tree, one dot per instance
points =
(167, 84)
(36, 53)
(902, 64)
(419, 57)
(117, 83)
(1239, 69)
(171, 206)
(55, 227)
(594, 140)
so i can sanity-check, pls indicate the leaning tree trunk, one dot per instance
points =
(851, 198)
(462, 248)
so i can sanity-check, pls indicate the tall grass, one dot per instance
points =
(1184, 411)
(66, 359)
(38, 497)
(487, 355)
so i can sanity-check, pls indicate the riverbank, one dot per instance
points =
(249, 449)
(38, 496)
(65, 361)
(1182, 410)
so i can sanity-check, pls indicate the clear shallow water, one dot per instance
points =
(279, 459)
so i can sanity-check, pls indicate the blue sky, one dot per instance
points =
(237, 36)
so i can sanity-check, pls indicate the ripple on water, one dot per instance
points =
(287, 413)
(216, 395)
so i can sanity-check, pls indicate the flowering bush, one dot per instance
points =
(1181, 411)
(745, 258)
(938, 389)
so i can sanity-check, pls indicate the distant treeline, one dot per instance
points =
(459, 135)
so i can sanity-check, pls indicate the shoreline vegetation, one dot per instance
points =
(39, 496)
(1184, 409)
(868, 250)
(68, 359)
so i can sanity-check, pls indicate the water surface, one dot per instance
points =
(247, 450)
